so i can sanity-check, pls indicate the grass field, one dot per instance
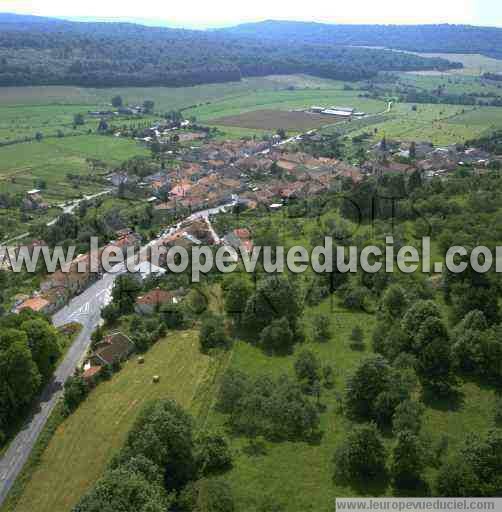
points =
(439, 124)
(166, 98)
(284, 100)
(84, 443)
(300, 475)
(474, 64)
(52, 159)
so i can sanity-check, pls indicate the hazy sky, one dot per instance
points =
(220, 12)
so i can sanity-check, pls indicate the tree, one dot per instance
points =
(475, 469)
(237, 293)
(127, 489)
(357, 338)
(117, 101)
(408, 460)
(369, 379)
(148, 105)
(78, 119)
(434, 361)
(413, 149)
(75, 391)
(417, 314)
(163, 434)
(408, 417)
(322, 327)
(307, 369)
(394, 302)
(103, 126)
(234, 386)
(212, 453)
(173, 315)
(124, 293)
(20, 379)
(275, 297)
(44, 345)
(207, 495)
(355, 298)
(212, 333)
(361, 455)
(277, 337)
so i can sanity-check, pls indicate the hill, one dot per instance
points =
(43, 51)
(421, 38)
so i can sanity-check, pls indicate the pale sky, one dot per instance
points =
(205, 13)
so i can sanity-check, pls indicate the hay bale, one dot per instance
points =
(156, 379)
(141, 360)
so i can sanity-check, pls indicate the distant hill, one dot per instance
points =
(421, 38)
(43, 51)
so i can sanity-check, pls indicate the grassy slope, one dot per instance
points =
(84, 443)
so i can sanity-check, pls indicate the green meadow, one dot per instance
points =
(52, 159)
(84, 444)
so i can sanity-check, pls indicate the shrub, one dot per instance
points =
(212, 333)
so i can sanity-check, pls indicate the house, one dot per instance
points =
(91, 374)
(150, 302)
(239, 238)
(118, 178)
(34, 201)
(37, 304)
(114, 348)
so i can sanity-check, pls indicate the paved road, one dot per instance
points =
(70, 208)
(86, 310)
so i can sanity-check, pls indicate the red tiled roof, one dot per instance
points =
(35, 303)
(91, 372)
(155, 297)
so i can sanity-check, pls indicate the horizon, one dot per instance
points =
(486, 13)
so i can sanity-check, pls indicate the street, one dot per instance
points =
(86, 310)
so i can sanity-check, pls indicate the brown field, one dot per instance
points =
(275, 120)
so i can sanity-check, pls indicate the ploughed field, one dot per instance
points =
(270, 119)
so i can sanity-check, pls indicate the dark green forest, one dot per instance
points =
(420, 38)
(44, 51)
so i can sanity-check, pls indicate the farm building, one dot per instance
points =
(114, 348)
(338, 112)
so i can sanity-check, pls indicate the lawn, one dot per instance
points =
(84, 443)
